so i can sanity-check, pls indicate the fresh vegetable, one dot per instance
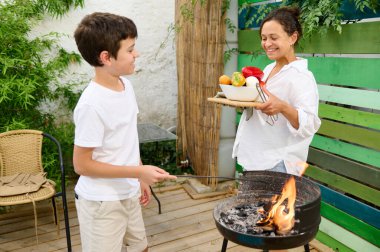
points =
(224, 79)
(251, 81)
(237, 79)
(252, 71)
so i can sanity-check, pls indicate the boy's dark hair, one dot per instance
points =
(99, 32)
(288, 17)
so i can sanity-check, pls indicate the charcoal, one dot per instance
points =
(244, 218)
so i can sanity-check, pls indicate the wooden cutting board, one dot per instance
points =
(227, 102)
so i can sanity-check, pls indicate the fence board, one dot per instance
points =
(347, 238)
(361, 136)
(371, 234)
(331, 70)
(347, 150)
(351, 206)
(360, 172)
(348, 96)
(352, 116)
(346, 185)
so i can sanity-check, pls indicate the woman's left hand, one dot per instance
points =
(145, 194)
(273, 105)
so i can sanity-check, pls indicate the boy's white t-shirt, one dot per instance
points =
(107, 121)
(260, 146)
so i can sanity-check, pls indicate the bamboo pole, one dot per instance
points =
(200, 48)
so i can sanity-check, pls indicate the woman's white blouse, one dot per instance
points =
(260, 146)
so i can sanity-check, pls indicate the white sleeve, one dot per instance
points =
(89, 128)
(305, 100)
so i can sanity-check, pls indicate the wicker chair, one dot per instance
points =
(20, 152)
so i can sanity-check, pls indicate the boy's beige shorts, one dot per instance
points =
(111, 226)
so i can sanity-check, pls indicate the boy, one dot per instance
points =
(106, 150)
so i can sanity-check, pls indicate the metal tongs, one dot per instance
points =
(270, 119)
(216, 177)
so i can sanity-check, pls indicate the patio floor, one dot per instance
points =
(184, 225)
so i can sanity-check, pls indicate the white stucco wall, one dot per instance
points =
(155, 80)
(226, 163)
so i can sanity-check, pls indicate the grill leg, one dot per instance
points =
(306, 247)
(158, 201)
(224, 246)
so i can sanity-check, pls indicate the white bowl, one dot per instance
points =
(240, 93)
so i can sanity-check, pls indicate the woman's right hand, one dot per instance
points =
(151, 174)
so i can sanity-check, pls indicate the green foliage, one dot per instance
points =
(30, 72)
(317, 16)
(162, 154)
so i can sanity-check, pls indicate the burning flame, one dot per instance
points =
(282, 220)
(281, 216)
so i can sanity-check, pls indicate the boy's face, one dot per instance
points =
(125, 62)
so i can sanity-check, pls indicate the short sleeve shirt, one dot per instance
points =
(106, 120)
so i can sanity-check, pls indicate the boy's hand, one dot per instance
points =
(150, 174)
(145, 194)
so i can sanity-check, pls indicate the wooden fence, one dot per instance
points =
(344, 156)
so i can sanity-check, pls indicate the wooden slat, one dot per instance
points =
(348, 96)
(335, 44)
(185, 224)
(232, 103)
(354, 72)
(250, 1)
(346, 185)
(361, 136)
(352, 116)
(359, 172)
(348, 150)
(331, 242)
(331, 70)
(259, 61)
(351, 206)
(367, 232)
(345, 237)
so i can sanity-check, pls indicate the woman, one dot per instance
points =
(278, 134)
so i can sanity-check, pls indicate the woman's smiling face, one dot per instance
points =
(277, 44)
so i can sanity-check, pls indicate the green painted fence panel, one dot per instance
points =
(350, 223)
(352, 116)
(344, 236)
(250, 1)
(363, 173)
(347, 150)
(353, 72)
(349, 96)
(353, 207)
(249, 41)
(346, 185)
(361, 136)
(363, 38)
(331, 242)
(259, 61)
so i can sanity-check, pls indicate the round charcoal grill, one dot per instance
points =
(260, 187)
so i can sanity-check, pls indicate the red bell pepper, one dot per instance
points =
(252, 71)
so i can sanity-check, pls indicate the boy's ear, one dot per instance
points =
(105, 58)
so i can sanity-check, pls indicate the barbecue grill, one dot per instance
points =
(260, 186)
